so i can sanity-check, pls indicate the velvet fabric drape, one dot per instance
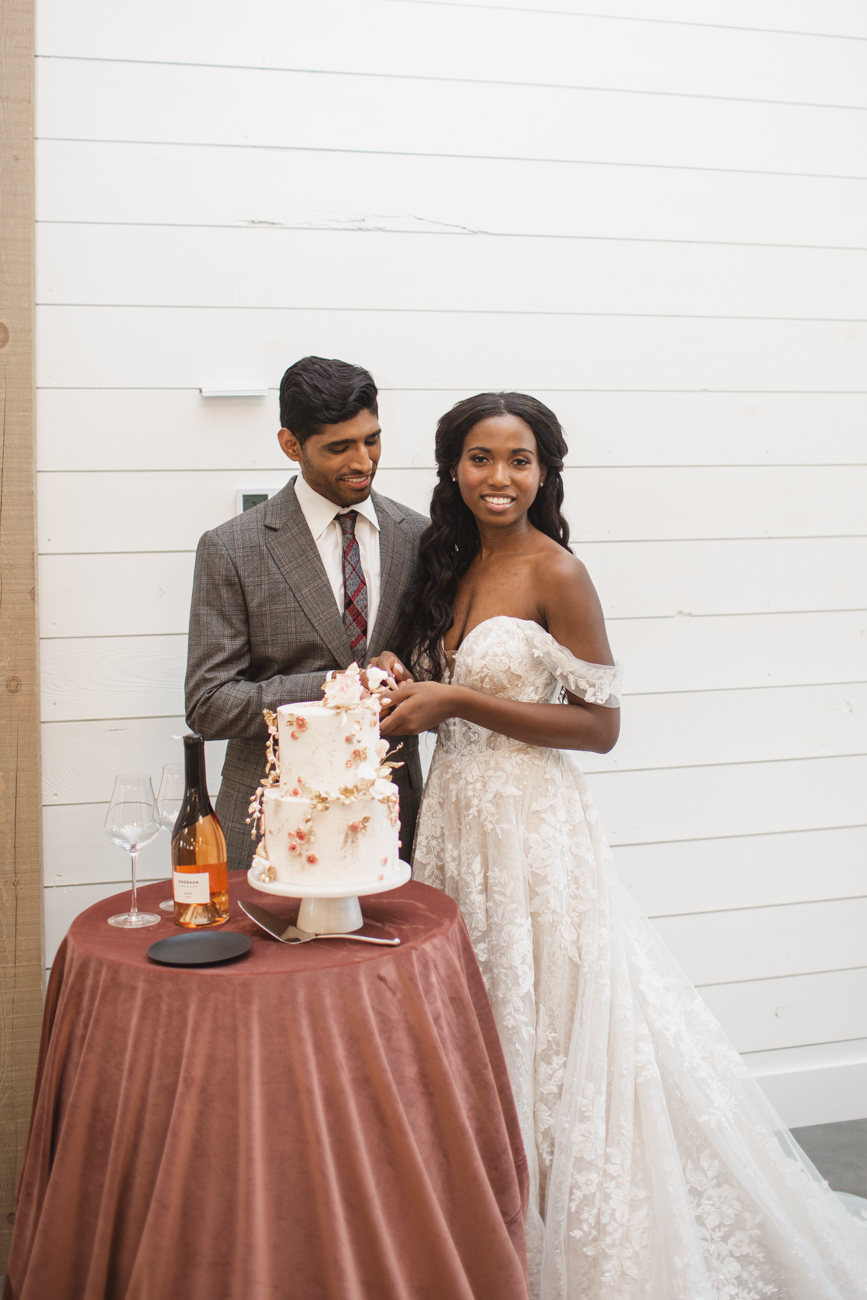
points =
(331, 1120)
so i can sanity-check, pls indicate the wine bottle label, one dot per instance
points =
(192, 886)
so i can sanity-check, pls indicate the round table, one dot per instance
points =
(327, 1120)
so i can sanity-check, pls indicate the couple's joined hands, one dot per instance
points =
(407, 706)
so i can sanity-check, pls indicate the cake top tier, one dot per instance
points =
(334, 745)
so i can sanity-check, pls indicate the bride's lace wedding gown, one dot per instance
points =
(659, 1168)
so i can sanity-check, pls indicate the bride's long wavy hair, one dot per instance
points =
(451, 540)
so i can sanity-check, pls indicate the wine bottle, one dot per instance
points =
(200, 875)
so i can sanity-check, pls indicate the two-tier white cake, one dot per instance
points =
(332, 821)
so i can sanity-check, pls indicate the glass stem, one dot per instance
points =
(133, 854)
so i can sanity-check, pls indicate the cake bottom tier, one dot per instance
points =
(344, 844)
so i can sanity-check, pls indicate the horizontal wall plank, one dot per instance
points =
(763, 1015)
(723, 726)
(151, 347)
(81, 759)
(168, 511)
(466, 42)
(823, 1084)
(77, 595)
(752, 871)
(634, 580)
(107, 181)
(315, 269)
(91, 99)
(740, 651)
(748, 799)
(115, 677)
(64, 904)
(77, 851)
(769, 575)
(843, 18)
(117, 511)
(179, 429)
(766, 942)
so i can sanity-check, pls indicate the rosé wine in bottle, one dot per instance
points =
(200, 875)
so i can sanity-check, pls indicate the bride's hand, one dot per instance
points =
(415, 707)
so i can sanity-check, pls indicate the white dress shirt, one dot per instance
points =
(321, 516)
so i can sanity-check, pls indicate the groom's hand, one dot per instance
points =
(389, 663)
(415, 707)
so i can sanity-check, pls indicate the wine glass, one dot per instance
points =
(170, 796)
(132, 822)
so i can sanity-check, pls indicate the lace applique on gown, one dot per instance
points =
(657, 1164)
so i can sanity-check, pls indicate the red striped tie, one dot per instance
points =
(354, 589)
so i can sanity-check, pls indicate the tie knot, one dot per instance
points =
(347, 522)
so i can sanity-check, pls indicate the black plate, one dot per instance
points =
(200, 949)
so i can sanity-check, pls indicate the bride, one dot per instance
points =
(659, 1171)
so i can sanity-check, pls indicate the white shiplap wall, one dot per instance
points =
(652, 217)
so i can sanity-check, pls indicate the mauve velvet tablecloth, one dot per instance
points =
(329, 1120)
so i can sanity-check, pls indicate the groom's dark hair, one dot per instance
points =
(323, 390)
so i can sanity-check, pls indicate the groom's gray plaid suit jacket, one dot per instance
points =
(264, 631)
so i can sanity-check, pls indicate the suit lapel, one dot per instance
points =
(291, 546)
(395, 563)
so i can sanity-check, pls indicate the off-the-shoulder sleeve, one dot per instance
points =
(594, 683)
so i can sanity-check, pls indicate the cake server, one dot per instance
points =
(277, 927)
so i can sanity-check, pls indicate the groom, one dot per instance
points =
(303, 584)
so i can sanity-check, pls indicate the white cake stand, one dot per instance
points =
(333, 910)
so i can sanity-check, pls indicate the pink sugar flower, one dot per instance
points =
(312, 859)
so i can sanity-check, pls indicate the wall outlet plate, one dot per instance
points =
(248, 497)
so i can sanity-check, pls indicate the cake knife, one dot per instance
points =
(277, 927)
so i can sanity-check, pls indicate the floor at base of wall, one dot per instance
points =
(839, 1152)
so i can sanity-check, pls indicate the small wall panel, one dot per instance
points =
(353, 270)
(113, 677)
(689, 803)
(81, 759)
(798, 1009)
(827, 1091)
(63, 905)
(92, 99)
(766, 942)
(726, 726)
(179, 429)
(467, 42)
(750, 871)
(739, 651)
(109, 181)
(78, 595)
(755, 576)
(132, 347)
(78, 852)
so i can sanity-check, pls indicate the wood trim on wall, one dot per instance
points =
(21, 963)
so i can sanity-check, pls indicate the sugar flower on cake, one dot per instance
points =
(376, 678)
(344, 690)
